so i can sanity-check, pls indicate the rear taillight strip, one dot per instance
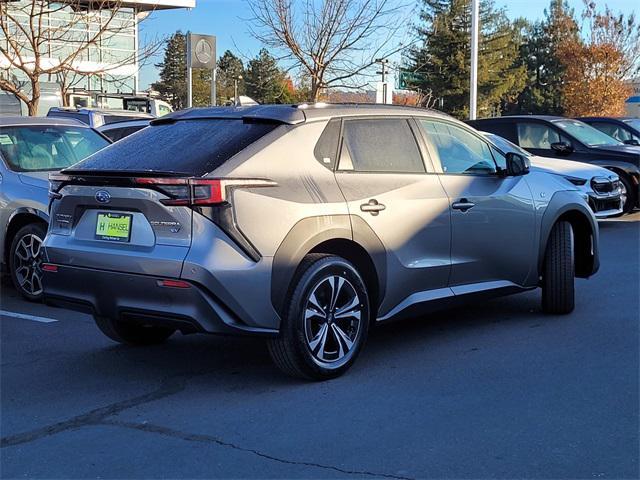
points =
(200, 191)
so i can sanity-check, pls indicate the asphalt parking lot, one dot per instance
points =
(495, 390)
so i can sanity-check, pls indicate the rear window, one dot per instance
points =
(193, 147)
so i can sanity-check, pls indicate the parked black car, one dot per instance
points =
(549, 136)
(625, 129)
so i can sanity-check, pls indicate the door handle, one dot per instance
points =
(372, 206)
(463, 205)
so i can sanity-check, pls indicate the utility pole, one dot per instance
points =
(384, 62)
(189, 73)
(473, 95)
(236, 99)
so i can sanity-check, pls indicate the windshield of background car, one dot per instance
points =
(586, 134)
(634, 122)
(506, 146)
(192, 147)
(40, 148)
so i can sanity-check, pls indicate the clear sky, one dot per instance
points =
(227, 20)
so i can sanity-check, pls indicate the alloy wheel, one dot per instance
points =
(28, 264)
(332, 320)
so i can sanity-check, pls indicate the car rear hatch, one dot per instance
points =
(119, 223)
(129, 207)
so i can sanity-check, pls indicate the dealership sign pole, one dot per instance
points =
(473, 97)
(201, 53)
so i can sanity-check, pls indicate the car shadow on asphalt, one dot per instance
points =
(235, 362)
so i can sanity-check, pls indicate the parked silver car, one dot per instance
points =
(31, 148)
(306, 224)
(605, 192)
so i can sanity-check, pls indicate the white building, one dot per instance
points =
(110, 65)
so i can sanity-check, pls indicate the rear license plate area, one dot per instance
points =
(113, 227)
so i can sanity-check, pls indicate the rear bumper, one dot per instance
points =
(140, 298)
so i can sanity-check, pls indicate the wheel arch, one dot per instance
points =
(585, 230)
(19, 218)
(343, 235)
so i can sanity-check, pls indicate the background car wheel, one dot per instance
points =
(628, 192)
(558, 276)
(25, 260)
(326, 321)
(132, 333)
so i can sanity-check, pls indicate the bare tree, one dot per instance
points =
(332, 42)
(58, 40)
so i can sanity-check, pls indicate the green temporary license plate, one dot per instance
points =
(115, 227)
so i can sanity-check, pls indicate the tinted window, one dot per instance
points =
(586, 133)
(83, 117)
(43, 148)
(116, 134)
(193, 147)
(326, 149)
(384, 145)
(613, 130)
(505, 130)
(458, 150)
(536, 135)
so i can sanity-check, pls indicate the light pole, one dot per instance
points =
(473, 95)
(236, 99)
(383, 71)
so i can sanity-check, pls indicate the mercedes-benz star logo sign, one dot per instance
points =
(204, 52)
(103, 196)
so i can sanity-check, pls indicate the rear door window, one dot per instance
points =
(380, 145)
(193, 147)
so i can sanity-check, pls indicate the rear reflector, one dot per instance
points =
(48, 267)
(173, 283)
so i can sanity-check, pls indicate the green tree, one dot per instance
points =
(266, 82)
(539, 55)
(442, 63)
(173, 76)
(230, 68)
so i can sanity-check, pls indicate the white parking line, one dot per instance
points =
(24, 316)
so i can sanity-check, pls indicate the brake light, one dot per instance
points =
(198, 191)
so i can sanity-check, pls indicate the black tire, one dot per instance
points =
(558, 277)
(632, 199)
(25, 263)
(132, 333)
(322, 342)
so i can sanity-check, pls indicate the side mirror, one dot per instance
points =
(517, 164)
(563, 148)
(632, 141)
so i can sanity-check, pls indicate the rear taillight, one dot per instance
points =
(197, 191)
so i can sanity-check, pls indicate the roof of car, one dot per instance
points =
(615, 119)
(294, 114)
(520, 117)
(15, 121)
(104, 111)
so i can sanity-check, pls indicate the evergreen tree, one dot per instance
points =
(230, 68)
(173, 76)
(539, 55)
(173, 72)
(265, 81)
(442, 64)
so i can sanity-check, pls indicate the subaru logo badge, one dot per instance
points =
(103, 196)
